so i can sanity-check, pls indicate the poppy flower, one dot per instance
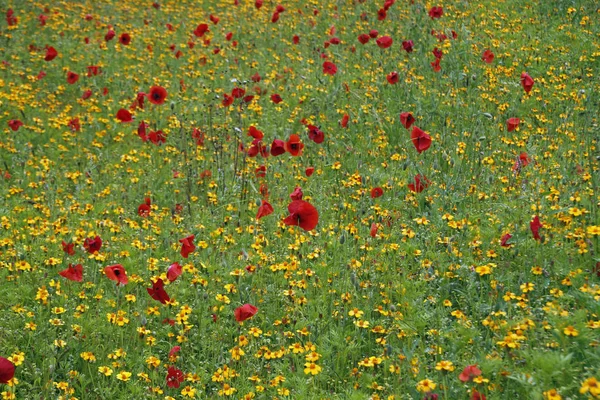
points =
(344, 121)
(373, 33)
(7, 370)
(381, 14)
(364, 38)
(11, 20)
(237, 93)
(201, 30)
(74, 125)
(92, 245)
(244, 312)
(93, 70)
(535, 226)
(279, 8)
(373, 231)
(265, 209)
(187, 246)
(275, 17)
(276, 98)
(475, 395)
(408, 45)
(294, 146)
(420, 183)
(420, 139)
(522, 161)
(116, 273)
(258, 4)
(73, 272)
(227, 100)
(41, 75)
(157, 95)
(174, 377)
(376, 192)
(329, 68)
(527, 82)
(277, 147)
(504, 240)
(157, 291)
(512, 124)
(470, 372)
(309, 171)
(214, 19)
(72, 77)
(302, 214)
(86, 95)
(437, 53)
(261, 171)
(144, 208)
(174, 271)
(436, 65)
(407, 119)
(436, 12)
(109, 35)
(68, 248)
(15, 124)
(315, 134)
(392, 78)
(125, 39)
(124, 116)
(384, 42)
(51, 53)
(256, 77)
(488, 56)
(141, 130)
(297, 194)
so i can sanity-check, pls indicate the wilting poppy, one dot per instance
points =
(504, 240)
(488, 56)
(157, 137)
(174, 377)
(406, 119)
(73, 272)
(376, 192)
(436, 12)
(72, 77)
(116, 273)
(373, 231)
(276, 98)
(68, 248)
(420, 183)
(329, 68)
(109, 35)
(297, 194)
(436, 65)
(51, 53)
(201, 30)
(364, 38)
(86, 94)
(144, 208)
(15, 124)
(535, 226)
(344, 121)
(92, 245)
(261, 171)
(512, 124)
(277, 147)
(125, 39)
(384, 42)
(302, 214)
(265, 209)
(408, 45)
(392, 78)
(294, 146)
(7, 370)
(187, 246)
(157, 95)
(11, 20)
(244, 312)
(420, 139)
(256, 77)
(93, 70)
(174, 271)
(475, 395)
(315, 134)
(470, 372)
(124, 116)
(157, 291)
(437, 53)
(527, 82)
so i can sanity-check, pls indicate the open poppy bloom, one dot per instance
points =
(535, 226)
(329, 68)
(488, 56)
(522, 161)
(124, 116)
(527, 82)
(116, 273)
(255, 133)
(125, 39)
(309, 171)
(384, 42)
(436, 12)
(470, 372)
(7, 370)
(406, 119)
(436, 65)
(157, 95)
(109, 35)
(420, 139)
(504, 240)
(265, 209)
(364, 38)
(294, 146)
(14, 124)
(420, 183)
(144, 208)
(157, 291)
(73, 272)
(392, 78)
(302, 214)
(276, 98)
(201, 30)
(174, 271)
(68, 248)
(244, 312)
(277, 147)
(297, 194)
(408, 45)
(174, 377)
(315, 134)
(376, 192)
(92, 245)
(187, 246)
(51, 53)
(72, 77)
(512, 124)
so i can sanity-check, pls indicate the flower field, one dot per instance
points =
(246, 199)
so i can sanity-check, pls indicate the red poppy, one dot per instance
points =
(420, 139)
(277, 147)
(297, 194)
(237, 93)
(15, 124)
(174, 377)
(302, 214)
(527, 82)
(329, 68)
(68, 248)
(7, 370)
(187, 246)
(315, 134)
(86, 95)
(141, 130)
(276, 98)
(420, 183)
(228, 36)
(256, 77)
(174, 271)
(41, 75)
(381, 14)
(437, 53)
(72, 77)
(488, 56)
(477, 396)
(11, 20)
(408, 45)
(470, 372)
(74, 125)
(124, 116)
(93, 70)
(344, 121)
(92, 245)
(373, 33)
(309, 171)
(265, 209)
(116, 273)
(244, 312)
(73, 272)
(384, 42)
(157, 291)
(198, 136)
(214, 19)
(512, 124)
(522, 161)
(144, 208)
(279, 8)
(436, 65)
(436, 12)
(109, 35)
(364, 38)
(373, 231)
(294, 146)
(227, 100)
(125, 39)
(157, 95)
(535, 226)
(407, 119)
(258, 4)
(275, 17)
(376, 192)
(255, 133)
(51, 53)
(504, 240)
(261, 171)
(201, 30)
(392, 78)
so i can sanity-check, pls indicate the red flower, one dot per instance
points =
(344, 121)
(376, 192)
(258, 4)
(276, 98)
(527, 82)
(72, 77)
(116, 273)
(535, 226)
(407, 119)
(512, 124)
(201, 30)
(297, 194)
(174, 271)
(302, 214)
(75, 125)
(384, 42)
(436, 12)
(504, 240)
(309, 171)
(261, 171)
(187, 246)
(11, 20)
(214, 19)
(244, 312)
(41, 75)
(144, 208)
(522, 161)
(470, 372)
(488, 56)
(477, 396)
(15, 124)
(373, 231)
(275, 17)
(73, 272)
(437, 53)
(373, 33)
(86, 95)
(420, 139)
(141, 130)
(381, 14)
(294, 146)
(256, 77)
(174, 377)
(7, 370)
(92, 245)
(237, 93)
(125, 39)
(420, 183)
(109, 35)
(227, 100)
(329, 68)
(255, 133)
(392, 78)
(364, 38)
(264, 209)
(277, 147)
(157, 95)
(93, 70)
(315, 134)
(157, 291)
(68, 248)
(51, 53)
(436, 65)
(124, 116)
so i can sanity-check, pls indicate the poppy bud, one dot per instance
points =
(172, 106)
(258, 203)
(342, 239)
(393, 308)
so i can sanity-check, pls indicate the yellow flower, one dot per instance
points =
(571, 331)
(106, 371)
(445, 366)
(189, 392)
(590, 385)
(124, 376)
(426, 386)
(311, 368)
(552, 394)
